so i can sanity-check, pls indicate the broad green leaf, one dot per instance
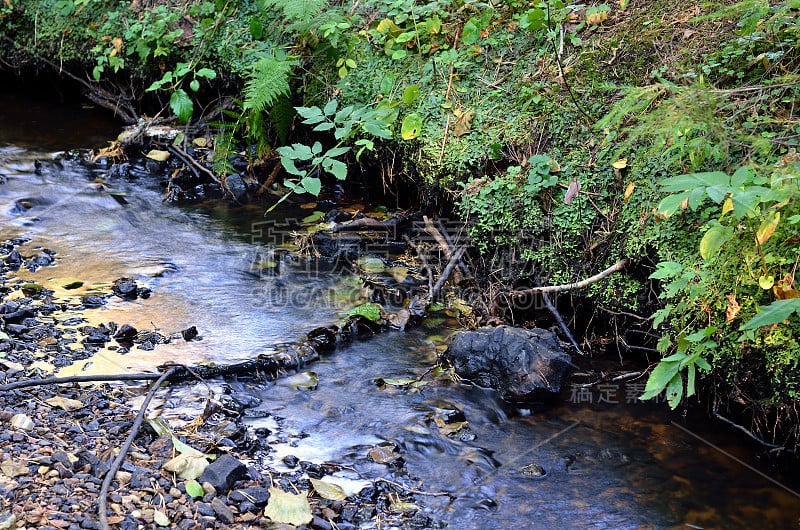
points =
(330, 107)
(666, 269)
(411, 127)
(766, 281)
(713, 239)
(470, 33)
(773, 313)
(661, 375)
(336, 151)
(194, 84)
(370, 311)
(741, 176)
(670, 204)
(181, 105)
(410, 94)
(314, 217)
(312, 185)
(288, 508)
(194, 489)
(693, 181)
(208, 73)
(256, 28)
(335, 167)
(690, 377)
(675, 391)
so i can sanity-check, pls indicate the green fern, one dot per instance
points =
(281, 115)
(225, 142)
(269, 80)
(297, 10)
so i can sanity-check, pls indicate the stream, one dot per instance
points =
(609, 460)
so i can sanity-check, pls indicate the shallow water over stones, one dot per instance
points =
(618, 464)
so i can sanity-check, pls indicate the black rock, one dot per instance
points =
(255, 494)
(126, 333)
(522, 365)
(92, 302)
(189, 333)
(223, 473)
(237, 187)
(125, 288)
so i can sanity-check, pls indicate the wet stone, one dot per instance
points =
(257, 495)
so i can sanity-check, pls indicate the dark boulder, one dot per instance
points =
(223, 472)
(523, 365)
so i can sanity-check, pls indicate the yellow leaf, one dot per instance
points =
(733, 308)
(727, 206)
(622, 163)
(596, 18)
(463, 122)
(388, 25)
(200, 142)
(288, 508)
(766, 282)
(155, 154)
(629, 191)
(767, 228)
(64, 403)
(328, 490)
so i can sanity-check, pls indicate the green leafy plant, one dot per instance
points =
(346, 125)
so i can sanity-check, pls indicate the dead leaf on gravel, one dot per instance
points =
(64, 403)
(13, 469)
(288, 508)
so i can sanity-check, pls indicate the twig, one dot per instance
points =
(746, 431)
(438, 237)
(186, 158)
(123, 451)
(414, 491)
(560, 322)
(618, 266)
(77, 379)
(447, 270)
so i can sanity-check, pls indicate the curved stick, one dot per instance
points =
(618, 266)
(123, 451)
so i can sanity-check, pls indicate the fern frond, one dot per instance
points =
(269, 79)
(297, 10)
(281, 115)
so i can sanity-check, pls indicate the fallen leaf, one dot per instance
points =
(13, 469)
(732, 311)
(187, 466)
(288, 508)
(596, 18)
(572, 191)
(158, 155)
(622, 163)
(628, 191)
(463, 122)
(383, 454)
(160, 518)
(64, 403)
(328, 490)
(308, 205)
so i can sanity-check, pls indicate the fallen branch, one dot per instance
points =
(454, 259)
(560, 322)
(745, 430)
(263, 364)
(618, 266)
(123, 451)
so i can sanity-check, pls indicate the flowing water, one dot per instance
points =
(613, 463)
